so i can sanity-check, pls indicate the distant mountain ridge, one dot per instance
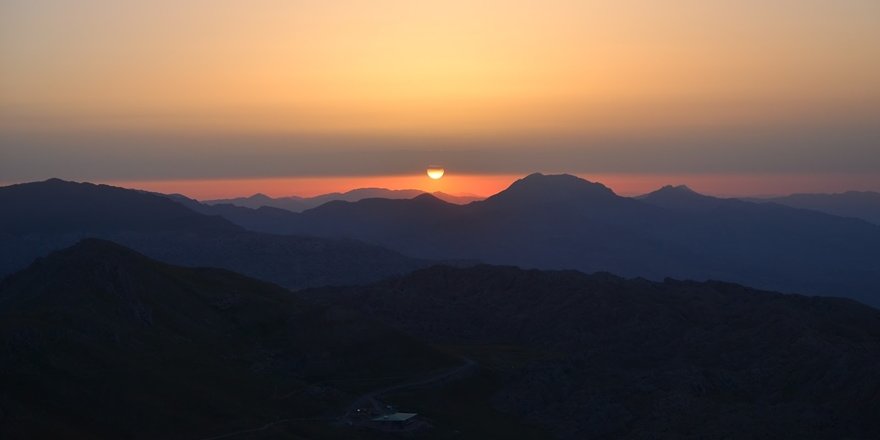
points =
(857, 204)
(298, 204)
(41, 217)
(58, 206)
(564, 222)
(540, 221)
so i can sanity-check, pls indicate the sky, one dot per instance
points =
(217, 98)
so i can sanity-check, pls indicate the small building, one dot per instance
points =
(395, 419)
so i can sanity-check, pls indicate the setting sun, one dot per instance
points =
(435, 172)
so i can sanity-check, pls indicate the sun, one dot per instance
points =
(435, 172)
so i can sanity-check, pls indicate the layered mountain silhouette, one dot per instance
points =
(540, 221)
(297, 204)
(57, 206)
(102, 342)
(46, 216)
(857, 204)
(598, 356)
(564, 222)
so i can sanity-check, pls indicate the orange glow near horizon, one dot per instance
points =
(205, 189)
(484, 185)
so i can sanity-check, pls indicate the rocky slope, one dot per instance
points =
(101, 342)
(597, 356)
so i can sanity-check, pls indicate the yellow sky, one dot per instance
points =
(436, 68)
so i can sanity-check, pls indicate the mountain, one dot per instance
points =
(365, 193)
(57, 206)
(298, 204)
(681, 197)
(857, 204)
(46, 216)
(458, 199)
(291, 203)
(102, 342)
(564, 222)
(598, 356)
(262, 219)
(551, 190)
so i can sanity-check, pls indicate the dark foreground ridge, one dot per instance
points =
(101, 342)
(598, 356)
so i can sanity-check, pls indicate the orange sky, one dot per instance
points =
(403, 67)
(485, 185)
(221, 89)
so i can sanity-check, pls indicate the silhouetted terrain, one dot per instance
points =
(563, 222)
(101, 342)
(598, 356)
(858, 204)
(46, 216)
(290, 203)
(297, 204)
(57, 206)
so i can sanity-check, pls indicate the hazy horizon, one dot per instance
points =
(628, 185)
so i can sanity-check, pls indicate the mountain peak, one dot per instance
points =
(537, 187)
(683, 189)
(682, 197)
(96, 244)
(562, 182)
(673, 192)
(83, 263)
(428, 198)
(96, 250)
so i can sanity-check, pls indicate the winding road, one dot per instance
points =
(442, 376)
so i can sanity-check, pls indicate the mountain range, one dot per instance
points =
(103, 341)
(297, 204)
(564, 222)
(857, 204)
(44, 216)
(540, 221)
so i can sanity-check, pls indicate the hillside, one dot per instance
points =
(102, 342)
(598, 356)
